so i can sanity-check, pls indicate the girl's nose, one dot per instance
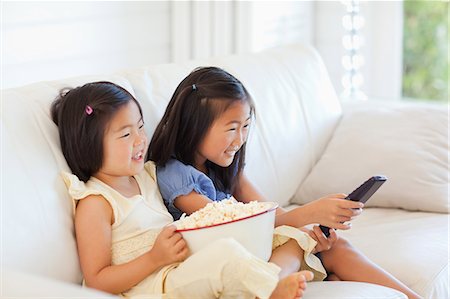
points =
(240, 139)
(140, 140)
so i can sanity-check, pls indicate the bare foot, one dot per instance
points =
(292, 286)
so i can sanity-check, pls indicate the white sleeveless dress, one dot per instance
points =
(223, 269)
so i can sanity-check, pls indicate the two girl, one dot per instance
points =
(199, 152)
(125, 241)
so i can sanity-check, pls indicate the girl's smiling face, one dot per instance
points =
(124, 144)
(225, 136)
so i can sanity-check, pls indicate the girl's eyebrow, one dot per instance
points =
(127, 126)
(236, 121)
(123, 128)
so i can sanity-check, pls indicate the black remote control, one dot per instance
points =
(361, 194)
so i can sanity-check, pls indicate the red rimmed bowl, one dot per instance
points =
(254, 232)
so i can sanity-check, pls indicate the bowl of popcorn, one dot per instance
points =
(251, 224)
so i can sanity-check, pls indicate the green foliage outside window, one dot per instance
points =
(426, 50)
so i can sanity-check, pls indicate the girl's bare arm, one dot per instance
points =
(191, 202)
(331, 210)
(93, 220)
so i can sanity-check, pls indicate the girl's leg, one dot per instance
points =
(346, 263)
(288, 257)
(292, 283)
(225, 269)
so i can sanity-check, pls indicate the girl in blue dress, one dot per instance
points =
(199, 149)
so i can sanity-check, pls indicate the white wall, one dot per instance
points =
(49, 40)
(52, 40)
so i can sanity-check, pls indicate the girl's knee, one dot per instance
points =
(342, 248)
(339, 248)
(342, 243)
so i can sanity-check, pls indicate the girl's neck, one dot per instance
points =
(202, 168)
(200, 164)
(125, 185)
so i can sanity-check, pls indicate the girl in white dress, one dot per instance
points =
(125, 241)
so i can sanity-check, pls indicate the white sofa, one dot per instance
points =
(303, 145)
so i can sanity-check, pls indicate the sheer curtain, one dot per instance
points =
(209, 28)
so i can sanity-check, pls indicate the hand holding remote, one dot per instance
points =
(361, 194)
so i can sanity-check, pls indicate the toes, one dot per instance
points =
(307, 275)
(299, 294)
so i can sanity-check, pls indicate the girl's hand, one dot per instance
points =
(334, 210)
(323, 243)
(169, 247)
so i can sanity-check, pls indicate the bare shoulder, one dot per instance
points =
(94, 207)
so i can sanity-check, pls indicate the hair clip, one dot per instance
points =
(88, 110)
(194, 87)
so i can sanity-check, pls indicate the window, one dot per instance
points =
(425, 50)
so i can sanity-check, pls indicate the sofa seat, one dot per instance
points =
(410, 245)
(42, 287)
(350, 290)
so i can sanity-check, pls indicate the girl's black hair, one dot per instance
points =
(197, 101)
(82, 115)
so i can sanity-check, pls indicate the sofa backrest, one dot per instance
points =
(297, 111)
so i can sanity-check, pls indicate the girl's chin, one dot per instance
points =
(223, 161)
(226, 163)
(138, 165)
